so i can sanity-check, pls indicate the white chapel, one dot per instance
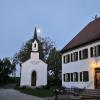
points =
(34, 70)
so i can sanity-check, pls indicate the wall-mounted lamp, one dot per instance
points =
(95, 65)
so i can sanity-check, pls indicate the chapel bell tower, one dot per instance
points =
(35, 45)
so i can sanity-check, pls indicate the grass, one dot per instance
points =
(40, 92)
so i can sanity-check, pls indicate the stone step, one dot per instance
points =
(88, 90)
(90, 93)
(92, 90)
(90, 97)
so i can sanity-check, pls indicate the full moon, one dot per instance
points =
(38, 30)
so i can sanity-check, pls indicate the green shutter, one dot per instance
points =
(98, 50)
(80, 55)
(80, 76)
(72, 77)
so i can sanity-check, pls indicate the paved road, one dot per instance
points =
(11, 94)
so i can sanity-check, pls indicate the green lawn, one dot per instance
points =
(40, 92)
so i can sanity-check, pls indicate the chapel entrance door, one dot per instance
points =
(97, 78)
(33, 80)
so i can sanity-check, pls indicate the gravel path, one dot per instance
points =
(11, 94)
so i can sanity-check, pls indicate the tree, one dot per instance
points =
(54, 65)
(48, 54)
(6, 68)
(45, 45)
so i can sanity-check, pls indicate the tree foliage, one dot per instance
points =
(45, 45)
(54, 64)
(6, 68)
(48, 54)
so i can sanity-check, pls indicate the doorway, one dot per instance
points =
(97, 78)
(33, 78)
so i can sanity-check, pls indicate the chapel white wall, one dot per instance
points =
(28, 68)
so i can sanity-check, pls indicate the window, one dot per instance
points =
(66, 59)
(83, 54)
(34, 45)
(95, 51)
(75, 76)
(74, 56)
(67, 77)
(85, 76)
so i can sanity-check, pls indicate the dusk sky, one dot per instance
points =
(60, 20)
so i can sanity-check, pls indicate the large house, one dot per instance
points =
(81, 58)
(34, 70)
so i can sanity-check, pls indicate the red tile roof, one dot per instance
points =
(87, 35)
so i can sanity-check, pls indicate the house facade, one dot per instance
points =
(81, 58)
(34, 70)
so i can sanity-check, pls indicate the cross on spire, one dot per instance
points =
(35, 35)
